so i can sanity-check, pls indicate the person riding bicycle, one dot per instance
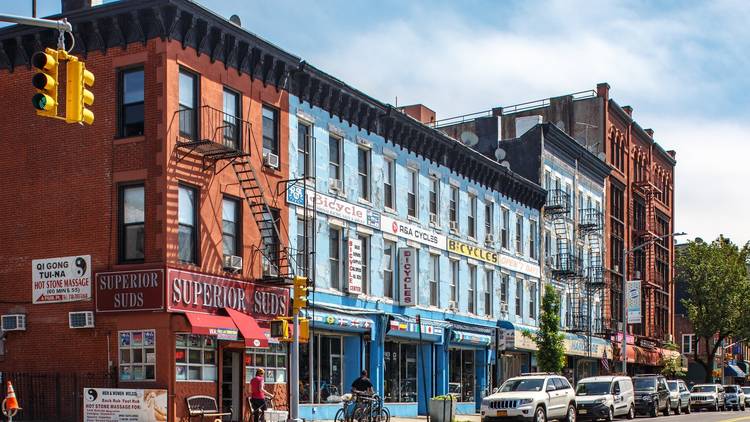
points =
(362, 385)
(258, 395)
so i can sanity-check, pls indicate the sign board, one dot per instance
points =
(123, 291)
(195, 292)
(354, 266)
(64, 279)
(407, 273)
(334, 207)
(223, 333)
(412, 232)
(492, 257)
(121, 404)
(634, 301)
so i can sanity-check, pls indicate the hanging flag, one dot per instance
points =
(605, 362)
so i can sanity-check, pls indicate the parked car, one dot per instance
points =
(605, 398)
(533, 397)
(707, 396)
(651, 395)
(746, 390)
(734, 397)
(679, 396)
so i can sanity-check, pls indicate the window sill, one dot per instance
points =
(364, 201)
(391, 211)
(276, 171)
(129, 139)
(198, 381)
(413, 219)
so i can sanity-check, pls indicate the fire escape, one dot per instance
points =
(224, 140)
(590, 229)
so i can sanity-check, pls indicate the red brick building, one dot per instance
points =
(147, 203)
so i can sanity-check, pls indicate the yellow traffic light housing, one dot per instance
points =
(45, 81)
(299, 298)
(304, 330)
(77, 95)
(280, 329)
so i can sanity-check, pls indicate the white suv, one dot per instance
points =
(533, 397)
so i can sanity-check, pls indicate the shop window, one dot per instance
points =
(400, 379)
(462, 379)
(272, 360)
(324, 372)
(137, 355)
(195, 357)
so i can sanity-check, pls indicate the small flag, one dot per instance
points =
(605, 362)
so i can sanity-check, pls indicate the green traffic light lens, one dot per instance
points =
(39, 101)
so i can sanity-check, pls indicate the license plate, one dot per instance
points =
(583, 412)
(502, 413)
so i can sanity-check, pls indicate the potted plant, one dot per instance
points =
(442, 408)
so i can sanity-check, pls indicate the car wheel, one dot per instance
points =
(688, 409)
(631, 413)
(610, 414)
(678, 411)
(667, 409)
(716, 406)
(540, 415)
(570, 416)
(655, 410)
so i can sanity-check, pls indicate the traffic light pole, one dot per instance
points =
(61, 25)
(294, 376)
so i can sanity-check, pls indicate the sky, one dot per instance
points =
(681, 65)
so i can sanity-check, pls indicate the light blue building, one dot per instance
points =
(420, 246)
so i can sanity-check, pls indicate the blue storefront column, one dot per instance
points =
(481, 359)
(424, 377)
(441, 369)
(377, 356)
(353, 358)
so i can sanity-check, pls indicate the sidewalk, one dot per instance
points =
(459, 418)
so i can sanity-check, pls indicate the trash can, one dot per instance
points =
(442, 408)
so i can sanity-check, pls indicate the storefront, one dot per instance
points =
(469, 356)
(584, 356)
(214, 330)
(643, 357)
(515, 350)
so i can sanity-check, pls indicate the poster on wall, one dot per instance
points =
(407, 273)
(120, 404)
(63, 279)
(634, 301)
(354, 266)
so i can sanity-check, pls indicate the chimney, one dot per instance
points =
(602, 90)
(672, 153)
(650, 132)
(419, 112)
(497, 111)
(628, 110)
(69, 6)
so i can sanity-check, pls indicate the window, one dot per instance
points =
(547, 180)
(270, 241)
(687, 343)
(131, 102)
(322, 368)
(472, 305)
(453, 206)
(454, 281)
(195, 357)
(434, 200)
(363, 160)
(548, 246)
(568, 310)
(388, 183)
(389, 255)
(230, 226)
(305, 236)
(489, 218)
(519, 297)
(434, 280)
(188, 104)
(532, 300)
(505, 231)
(519, 234)
(232, 119)
(187, 230)
(400, 372)
(532, 239)
(489, 282)
(137, 355)
(132, 215)
(504, 285)
(334, 256)
(304, 150)
(365, 263)
(412, 193)
(272, 360)
(572, 200)
(462, 374)
(334, 157)
(471, 218)
(270, 130)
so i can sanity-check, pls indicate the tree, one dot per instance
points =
(672, 367)
(549, 339)
(717, 294)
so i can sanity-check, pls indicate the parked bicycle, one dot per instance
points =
(362, 408)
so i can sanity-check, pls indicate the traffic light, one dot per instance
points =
(280, 328)
(45, 100)
(77, 95)
(304, 330)
(299, 298)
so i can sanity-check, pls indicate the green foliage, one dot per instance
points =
(672, 367)
(549, 339)
(718, 293)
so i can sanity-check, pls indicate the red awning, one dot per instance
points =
(212, 325)
(251, 331)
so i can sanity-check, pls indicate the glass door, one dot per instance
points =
(231, 383)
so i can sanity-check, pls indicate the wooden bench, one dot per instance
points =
(205, 407)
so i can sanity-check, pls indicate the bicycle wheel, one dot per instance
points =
(340, 417)
(384, 415)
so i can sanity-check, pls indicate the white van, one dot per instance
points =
(605, 398)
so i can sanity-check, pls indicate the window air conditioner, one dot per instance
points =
(452, 305)
(433, 218)
(14, 322)
(233, 263)
(270, 160)
(503, 308)
(83, 319)
(489, 239)
(454, 226)
(270, 270)
(336, 184)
